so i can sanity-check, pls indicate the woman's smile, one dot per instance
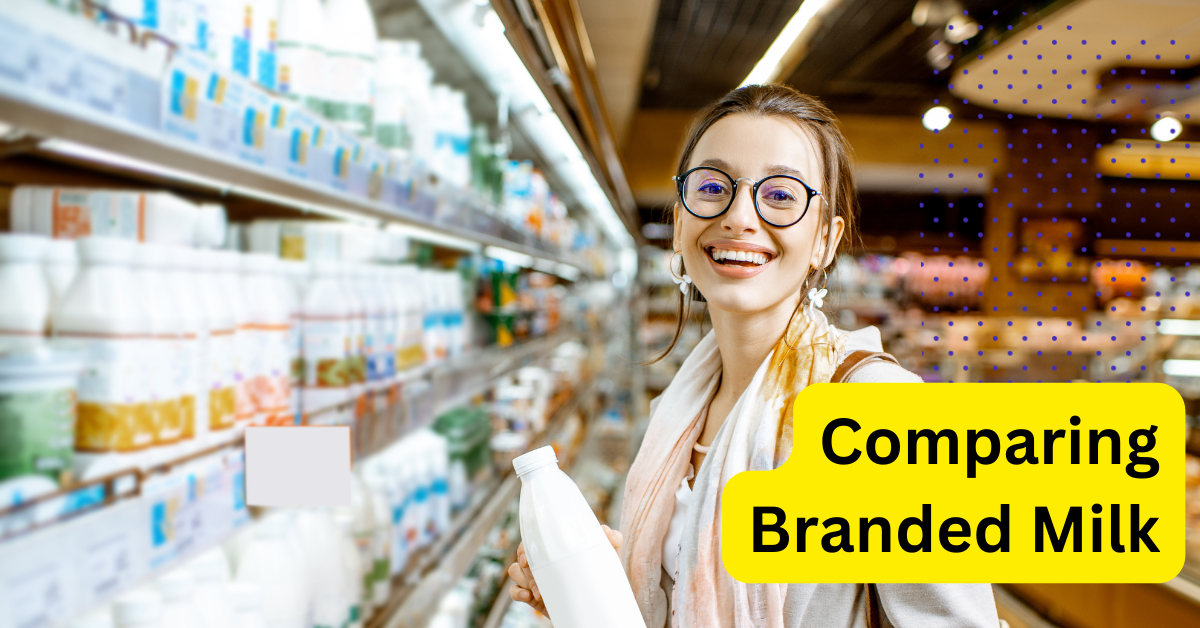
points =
(737, 259)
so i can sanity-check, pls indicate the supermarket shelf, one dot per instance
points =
(113, 144)
(500, 606)
(1185, 587)
(441, 567)
(1017, 613)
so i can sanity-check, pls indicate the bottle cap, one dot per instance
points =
(535, 459)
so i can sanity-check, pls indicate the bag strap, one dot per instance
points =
(856, 361)
(874, 613)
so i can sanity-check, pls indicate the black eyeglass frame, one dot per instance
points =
(680, 179)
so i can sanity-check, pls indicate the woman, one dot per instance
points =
(766, 201)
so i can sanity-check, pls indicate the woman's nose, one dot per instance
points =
(741, 216)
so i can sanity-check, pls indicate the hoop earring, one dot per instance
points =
(680, 278)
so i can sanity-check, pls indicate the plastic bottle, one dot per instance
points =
(269, 564)
(326, 332)
(247, 605)
(179, 608)
(357, 331)
(295, 275)
(105, 313)
(351, 42)
(95, 618)
(25, 308)
(331, 596)
(233, 27)
(369, 521)
(437, 450)
(219, 372)
(61, 265)
(264, 42)
(353, 571)
(191, 369)
(578, 572)
(268, 355)
(301, 59)
(163, 350)
(434, 331)
(230, 277)
(212, 600)
(140, 609)
(391, 80)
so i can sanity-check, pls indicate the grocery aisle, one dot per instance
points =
(217, 216)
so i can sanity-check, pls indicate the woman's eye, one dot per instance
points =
(780, 196)
(712, 188)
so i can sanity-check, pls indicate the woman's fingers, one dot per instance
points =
(615, 538)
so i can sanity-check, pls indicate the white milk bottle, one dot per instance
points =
(61, 265)
(326, 338)
(300, 57)
(577, 571)
(268, 562)
(190, 370)
(357, 329)
(163, 348)
(295, 276)
(139, 609)
(231, 286)
(219, 374)
(247, 605)
(264, 41)
(354, 569)
(270, 324)
(367, 524)
(179, 607)
(330, 594)
(351, 42)
(25, 304)
(211, 571)
(103, 311)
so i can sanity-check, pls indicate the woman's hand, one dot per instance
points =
(525, 589)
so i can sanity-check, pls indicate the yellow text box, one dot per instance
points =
(1082, 512)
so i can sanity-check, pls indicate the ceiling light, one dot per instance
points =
(1166, 129)
(509, 256)
(960, 28)
(767, 68)
(1178, 327)
(1181, 368)
(937, 118)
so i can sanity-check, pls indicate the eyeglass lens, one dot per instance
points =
(781, 200)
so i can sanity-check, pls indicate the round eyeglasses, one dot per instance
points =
(780, 200)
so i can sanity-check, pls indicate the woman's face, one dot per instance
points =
(754, 147)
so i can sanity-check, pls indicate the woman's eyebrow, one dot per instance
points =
(773, 170)
(717, 163)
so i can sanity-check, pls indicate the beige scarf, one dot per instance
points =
(757, 435)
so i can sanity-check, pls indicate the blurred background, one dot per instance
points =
(446, 224)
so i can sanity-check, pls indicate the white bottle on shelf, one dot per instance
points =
(231, 282)
(391, 81)
(301, 60)
(295, 278)
(218, 375)
(163, 349)
(212, 600)
(96, 618)
(268, 563)
(268, 333)
(61, 265)
(233, 27)
(354, 570)
(179, 607)
(371, 527)
(139, 609)
(437, 450)
(357, 329)
(191, 370)
(247, 605)
(104, 310)
(577, 571)
(326, 337)
(264, 43)
(351, 43)
(330, 593)
(25, 308)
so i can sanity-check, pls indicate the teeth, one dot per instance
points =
(739, 256)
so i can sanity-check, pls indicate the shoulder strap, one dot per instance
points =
(857, 360)
(874, 612)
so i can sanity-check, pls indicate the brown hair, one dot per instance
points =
(837, 177)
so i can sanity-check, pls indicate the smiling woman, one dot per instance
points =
(766, 201)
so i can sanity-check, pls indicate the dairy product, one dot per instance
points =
(301, 60)
(163, 349)
(295, 277)
(230, 277)
(327, 344)
(140, 609)
(331, 594)
(61, 265)
(212, 600)
(75, 212)
(219, 375)
(96, 618)
(264, 42)
(267, 335)
(268, 563)
(191, 369)
(393, 73)
(357, 319)
(37, 410)
(247, 604)
(354, 569)
(578, 572)
(25, 308)
(351, 43)
(179, 608)
(105, 313)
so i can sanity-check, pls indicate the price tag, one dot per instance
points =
(110, 565)
(18, 55)
(58, 69)
(37, 598)
(102, 84)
